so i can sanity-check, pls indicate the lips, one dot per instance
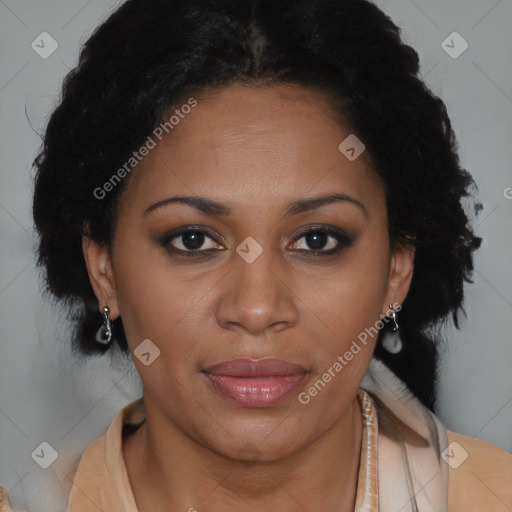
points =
(255, 383)
(246, 367)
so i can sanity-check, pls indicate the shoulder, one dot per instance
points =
(101, 476)
(91, 463)
(480, 475)
(4, 502)
(101, 465)
(86, 483)
(93, 457)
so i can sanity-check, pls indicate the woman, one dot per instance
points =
(260, 201)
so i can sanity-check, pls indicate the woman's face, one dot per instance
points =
(266, 272)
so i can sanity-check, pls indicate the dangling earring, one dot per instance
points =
(104, 333)
(393, 316)
(391, 341)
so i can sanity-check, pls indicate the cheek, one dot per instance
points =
(160, 310)
(347, 304)
(346, 315)
(350, 297)
(156, 301)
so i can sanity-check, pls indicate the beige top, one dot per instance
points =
(482, 482)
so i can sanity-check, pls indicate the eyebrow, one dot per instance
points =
(211, 207)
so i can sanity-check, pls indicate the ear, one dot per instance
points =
(101, 275)
(400, 275)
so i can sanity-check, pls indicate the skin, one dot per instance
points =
(255, 150)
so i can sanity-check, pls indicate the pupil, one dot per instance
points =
(316, 239)
(193, 239)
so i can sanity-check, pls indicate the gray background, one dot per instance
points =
(48, 395)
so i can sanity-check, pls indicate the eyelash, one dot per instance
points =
(344, 241)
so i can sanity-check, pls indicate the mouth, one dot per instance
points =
(255, 382)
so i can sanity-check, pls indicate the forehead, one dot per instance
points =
(259, 144)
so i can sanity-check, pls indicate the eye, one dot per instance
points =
(319, 241)
(322, 241)
(190, 241)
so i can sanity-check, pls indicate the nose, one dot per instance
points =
(256, 297)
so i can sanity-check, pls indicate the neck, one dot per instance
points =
(165, 466)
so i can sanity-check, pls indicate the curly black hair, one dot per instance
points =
(149, 55)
